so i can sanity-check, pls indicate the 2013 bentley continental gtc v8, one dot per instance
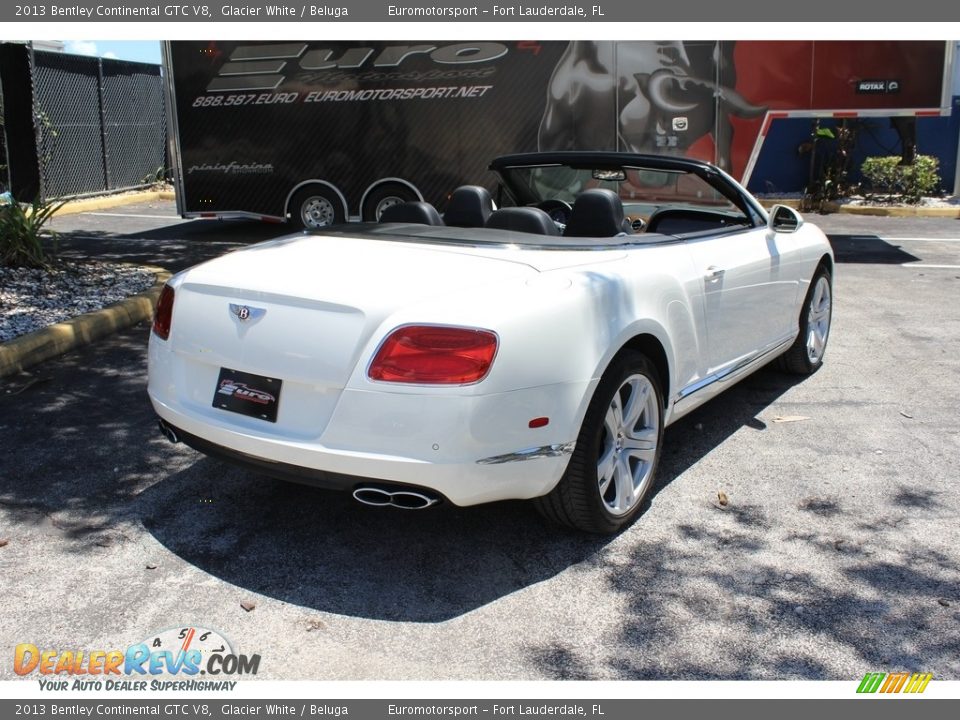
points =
(536, 351)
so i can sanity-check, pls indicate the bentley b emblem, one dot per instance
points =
(244, 312)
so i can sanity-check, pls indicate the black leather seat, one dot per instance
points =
(523, 219)
(470, 206)
(420, 213)
(597, 212)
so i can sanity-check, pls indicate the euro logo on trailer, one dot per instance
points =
(266, 66)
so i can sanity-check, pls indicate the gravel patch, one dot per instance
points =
(898, 201)
(31, 299)
(883, 201)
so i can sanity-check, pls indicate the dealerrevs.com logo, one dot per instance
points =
(184, 658)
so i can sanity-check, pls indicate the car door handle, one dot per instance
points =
(714, 273)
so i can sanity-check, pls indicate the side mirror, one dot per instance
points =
(784, 219)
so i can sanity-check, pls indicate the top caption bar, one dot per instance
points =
(617, 11)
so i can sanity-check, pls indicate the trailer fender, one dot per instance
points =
(315, 203)
(385, 192)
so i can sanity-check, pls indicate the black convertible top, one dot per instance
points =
(600, 160)
(610, 160)
(486, 237)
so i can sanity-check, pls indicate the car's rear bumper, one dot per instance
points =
(281, 470)
(525, 471)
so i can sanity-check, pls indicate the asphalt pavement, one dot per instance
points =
(837, 553)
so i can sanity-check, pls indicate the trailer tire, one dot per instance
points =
(315, 207)
(383, 197)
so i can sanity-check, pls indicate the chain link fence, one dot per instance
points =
(99, 124)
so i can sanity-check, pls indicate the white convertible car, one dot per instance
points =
(536, 351)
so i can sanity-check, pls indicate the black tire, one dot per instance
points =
(384, 196)
(315, 207)
(578, 501)
(805, 356)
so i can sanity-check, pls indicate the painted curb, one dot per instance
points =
(768, 203)
(28, 350)
(110, 201)
(874, 210)
(893, 211)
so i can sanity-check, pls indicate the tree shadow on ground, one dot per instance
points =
(868, 249)
(84, 464)
(175, 247)
(394, 565)
(90, 464)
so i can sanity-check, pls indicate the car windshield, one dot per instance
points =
(642, 190)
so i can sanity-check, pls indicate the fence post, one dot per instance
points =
(38, 137)
(107, 184)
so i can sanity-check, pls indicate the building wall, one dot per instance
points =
(782, 169)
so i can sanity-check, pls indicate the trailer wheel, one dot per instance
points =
(383, 197)
(314, 207)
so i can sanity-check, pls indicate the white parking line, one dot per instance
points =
(909, 239)
(133, 215)
(924, 265)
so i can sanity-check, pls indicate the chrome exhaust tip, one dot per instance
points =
(411, 500)
(401, 498)
(374, 497)
(168, 432)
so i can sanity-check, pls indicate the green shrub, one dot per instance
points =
(21, 226)
(887, 176)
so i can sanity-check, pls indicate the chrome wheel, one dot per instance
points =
(614, 461)
(388, 201)
(818, 320)
(628, 445)
(317, 212)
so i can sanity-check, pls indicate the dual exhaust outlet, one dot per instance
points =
(168, 432)
(403, 498)
(398, 497)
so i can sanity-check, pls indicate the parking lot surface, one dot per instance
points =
(838, 552)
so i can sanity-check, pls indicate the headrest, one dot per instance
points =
(470, 206)
(597, 212)
(411, 212)
(523, 219)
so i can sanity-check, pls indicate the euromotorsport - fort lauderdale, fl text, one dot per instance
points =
(496, 11)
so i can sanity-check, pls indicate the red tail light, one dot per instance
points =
(164, 313)
(426, 355)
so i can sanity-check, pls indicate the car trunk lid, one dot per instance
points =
(301, 310)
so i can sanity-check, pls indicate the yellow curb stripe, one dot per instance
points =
(878, 211)
(893, 211)
(28, 350)
(109, 201)
(768, 203)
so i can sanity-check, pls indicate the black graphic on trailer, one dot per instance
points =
(664, 96)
